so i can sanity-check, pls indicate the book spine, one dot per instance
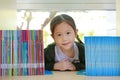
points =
(9, 52)
(0, 52)
(20, 52)
(33, 50)
(42, 52)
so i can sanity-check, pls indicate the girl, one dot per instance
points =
(65, 53)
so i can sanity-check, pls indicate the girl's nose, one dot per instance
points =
(64, 37)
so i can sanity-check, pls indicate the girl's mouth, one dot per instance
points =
(65, 43)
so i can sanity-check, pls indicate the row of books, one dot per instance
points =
(21, 52)
(102, 55)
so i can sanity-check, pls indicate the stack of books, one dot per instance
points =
(21, 52)
(102, 55)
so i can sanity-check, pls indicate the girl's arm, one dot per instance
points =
(80, 64)
(49, 57)
(64, 65)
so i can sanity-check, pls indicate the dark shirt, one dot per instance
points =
(49, 53)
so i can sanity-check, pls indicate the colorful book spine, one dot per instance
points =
(38, 52)
(0, 52)
(20, 52)
(15, 52)
(41, 53)
(4, 63)
(24, 52)
(33, 50)
(29, 53)
(9, 52)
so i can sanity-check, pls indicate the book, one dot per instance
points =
(102, 55)
(0, 52)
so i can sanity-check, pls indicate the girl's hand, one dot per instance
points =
(70, 66)
(64, 65)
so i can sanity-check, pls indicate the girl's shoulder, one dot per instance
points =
(50, 49)
(50, 46)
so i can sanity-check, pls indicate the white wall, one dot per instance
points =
(56, 5)
(8, 18)
(118, 16)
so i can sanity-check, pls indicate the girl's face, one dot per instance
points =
(64, 36)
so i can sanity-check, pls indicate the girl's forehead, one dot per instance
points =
(63, 27)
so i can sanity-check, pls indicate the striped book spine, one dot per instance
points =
(9, 52)
(42, 52)
(4, 53)
(29, 53)
(24, 52)
(33, 50)
(35, 54)
(20, 52)
(0, 52)
(38, 52)
(15, 53)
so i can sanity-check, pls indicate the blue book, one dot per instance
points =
(102, 55)
(4, 53)
(15, 52)
(47, 72)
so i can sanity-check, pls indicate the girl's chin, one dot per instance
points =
(66, 47)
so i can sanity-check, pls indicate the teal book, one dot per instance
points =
(4, 67)
(15, 52)
(9, 52)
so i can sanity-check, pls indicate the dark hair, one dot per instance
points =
(63, 18)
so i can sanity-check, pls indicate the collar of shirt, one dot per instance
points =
(59, 55)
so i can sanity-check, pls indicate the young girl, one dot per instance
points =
(65, 53)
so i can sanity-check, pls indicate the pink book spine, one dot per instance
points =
(42, 52)
(38, 52)
(29, 53)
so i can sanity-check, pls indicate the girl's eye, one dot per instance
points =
(68, 32)
(59, 34)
